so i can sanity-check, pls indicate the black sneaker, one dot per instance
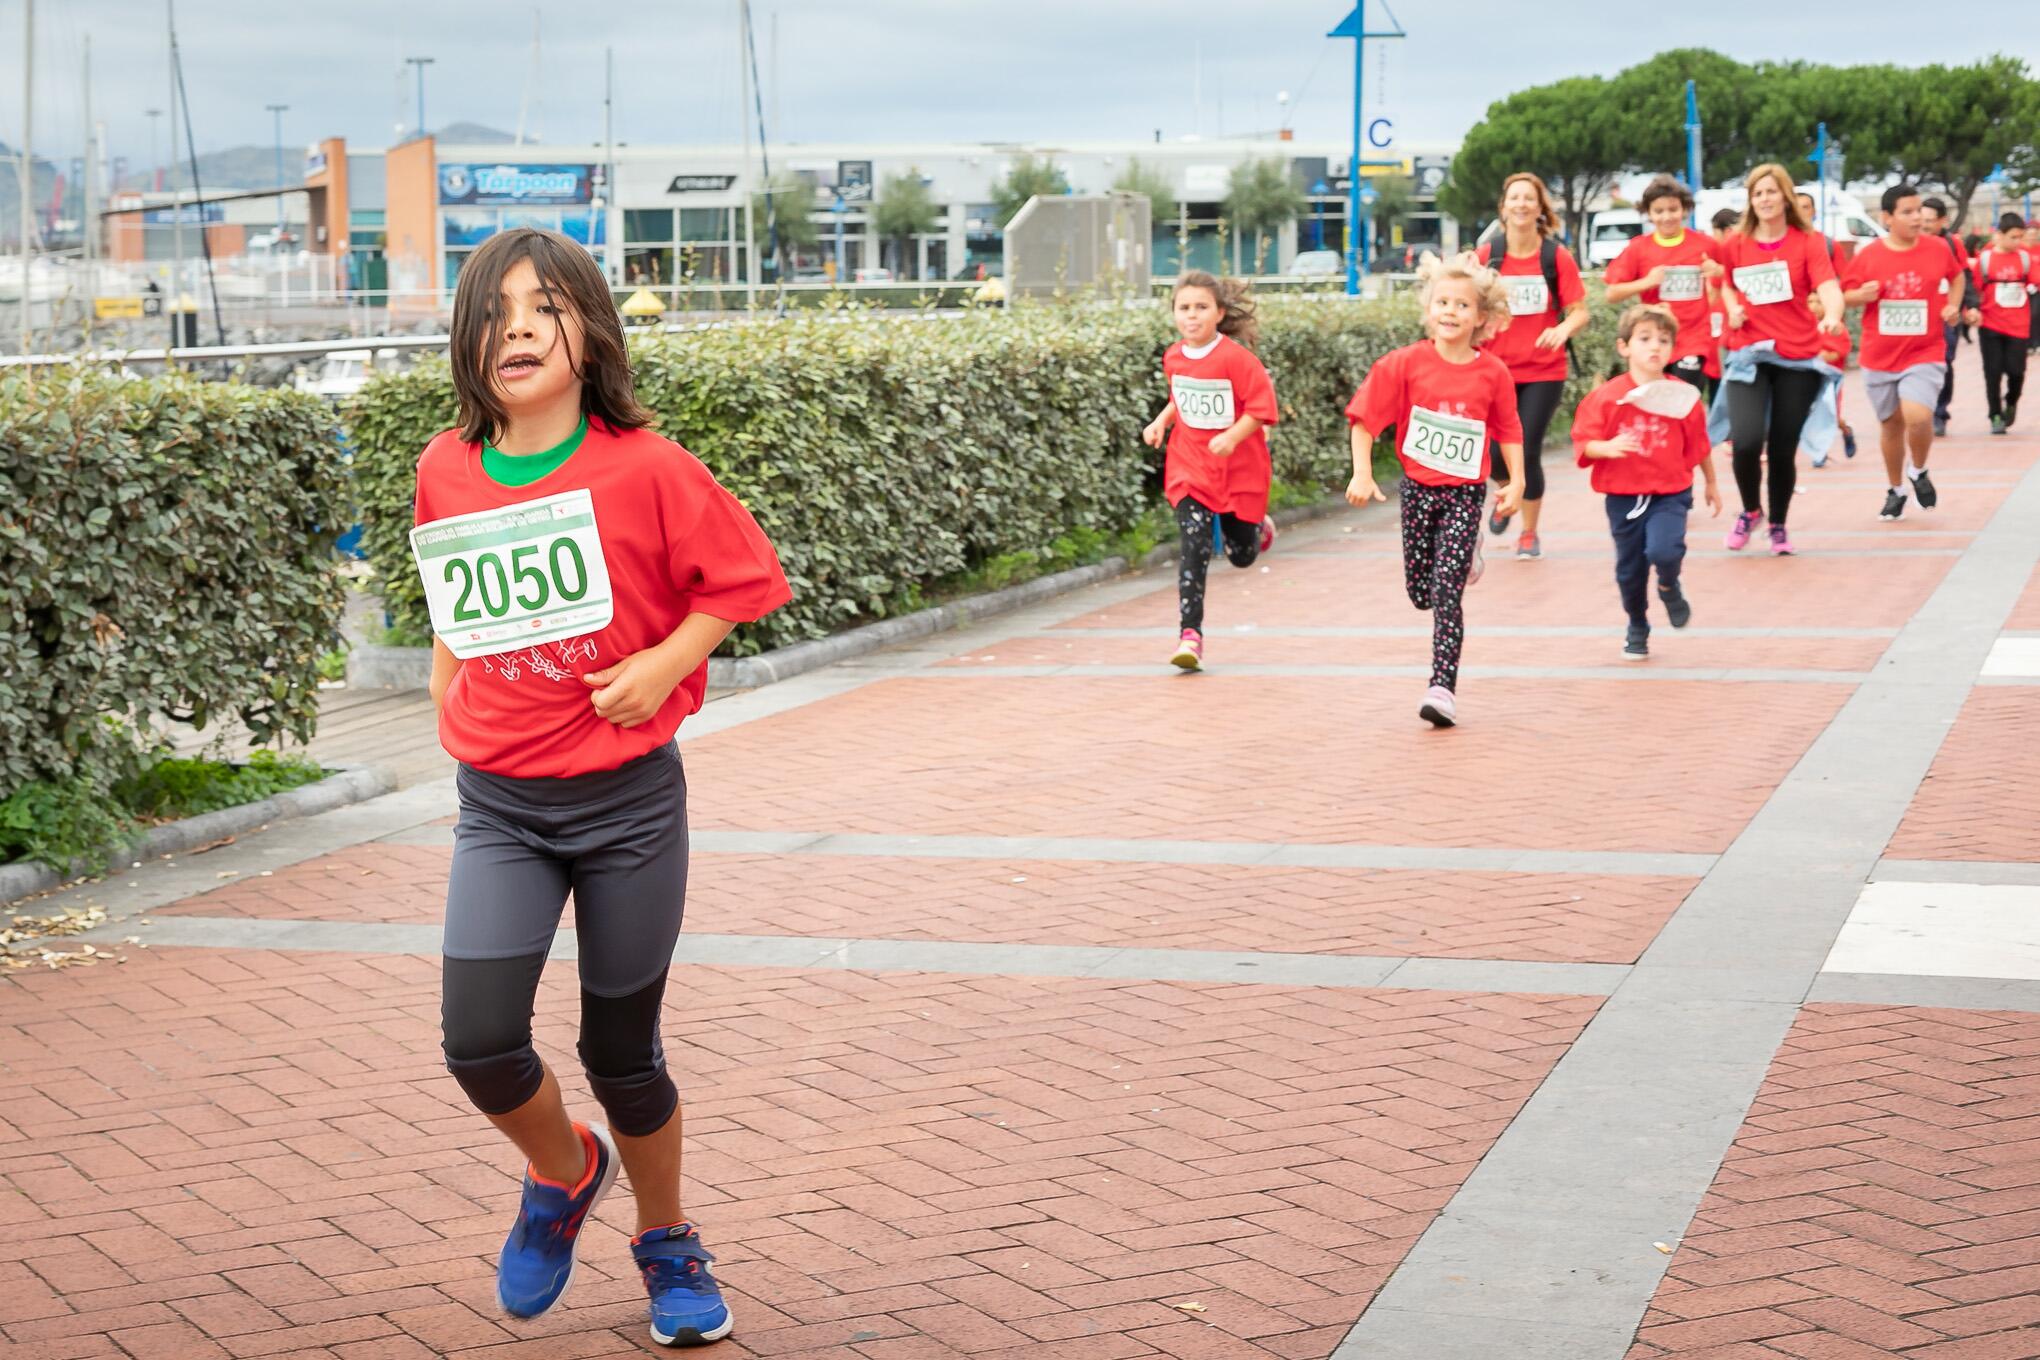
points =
(1940, 426)
(1894, 504)
(2011, 412)
(1636, 646)
(1498, 524)
(1676, 608)
(1848, 443)
(1998, 425)
(1923, 491)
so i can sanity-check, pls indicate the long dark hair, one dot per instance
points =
(1235, 304)
(570, 279)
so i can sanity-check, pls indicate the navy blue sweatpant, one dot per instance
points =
(1650, 531)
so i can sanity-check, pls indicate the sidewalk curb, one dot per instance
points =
(351, 783)
(372, 667)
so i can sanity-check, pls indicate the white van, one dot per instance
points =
(1609, 233)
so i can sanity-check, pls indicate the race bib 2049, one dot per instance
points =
(1528, 294)
(1203, 403)
(1763, 284)
(499, 580)
(1681, 283)
(1901, 316)
(1452, 445)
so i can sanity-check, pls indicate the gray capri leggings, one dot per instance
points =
(618, 840)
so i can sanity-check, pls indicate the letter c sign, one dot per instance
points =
(1381, 133)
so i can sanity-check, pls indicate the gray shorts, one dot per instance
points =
(1919, 385)
(617, 839)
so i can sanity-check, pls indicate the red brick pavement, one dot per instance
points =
(1254, 759)
(1071, 647)
(249, 1154)
(1545, 917)
(1882, 1200)
(2025, 616)
(1981, 797)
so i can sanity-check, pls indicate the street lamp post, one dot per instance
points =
(155, 158)
(279, 110)
(1354, 26)
(420, 63)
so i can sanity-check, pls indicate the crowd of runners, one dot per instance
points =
(1731, 343)
(580, 568)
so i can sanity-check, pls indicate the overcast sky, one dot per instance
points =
(892, 70)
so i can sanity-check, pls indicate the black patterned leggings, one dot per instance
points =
(1193, 527)
(1440, 529)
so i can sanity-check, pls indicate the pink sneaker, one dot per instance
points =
(1439, 709)
(1267, 532)
(1781, 542)
(1745, 524)
(1189, 651)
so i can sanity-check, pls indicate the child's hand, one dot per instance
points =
(1655, 278)
(1222, 445)
(1713, 494)
(1871, 289)
(1710, 268)
(632, 690)
(1972, 317)
(1831, 325)
(1155, 433)
(1509, 499)
(1362, 489)
(1736, 316)
(1621, 446)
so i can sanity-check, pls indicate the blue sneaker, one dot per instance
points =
(687, 1307)
(537, 1263)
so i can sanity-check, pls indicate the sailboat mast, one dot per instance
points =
(27, 155)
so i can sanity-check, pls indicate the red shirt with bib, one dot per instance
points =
(1902, 324)
(1532, 312)
(674, 543)
(1211, 393)
(1445, 414)
(2003, 276)
(1668, 450)
(1684, 289)
(1776, 282)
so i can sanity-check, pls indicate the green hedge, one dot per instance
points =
(884, 455)
(165, 552)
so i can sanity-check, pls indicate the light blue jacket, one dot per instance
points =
(1740, 365)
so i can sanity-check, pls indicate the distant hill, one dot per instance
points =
(254, 167)
(469, 133)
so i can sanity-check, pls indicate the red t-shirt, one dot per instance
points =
(1670, 449)
(1683, 279)
(1444, 414)
(1516, 345)
(1211, 394)
(674, 543)
(1954, 240)
(2010, 271)
(1717, 331)
(1785, 274)
(1902, 324)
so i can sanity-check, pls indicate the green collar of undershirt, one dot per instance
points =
(522, 469)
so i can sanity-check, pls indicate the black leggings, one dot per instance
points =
(1536, 404)
(1783, 397)
(1193, 527)
(2004, 366)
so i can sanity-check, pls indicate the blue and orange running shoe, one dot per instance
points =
(687, 1306)
(537, 1263)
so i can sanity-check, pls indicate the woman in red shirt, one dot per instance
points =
(1448, 401)
(1217, 473)
(579, 569)
(1548, 304)
(1776, 265)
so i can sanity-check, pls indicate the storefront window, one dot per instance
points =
(468, 226)
(644, 267)
(653, 226)
(704, 224)
(589, 227)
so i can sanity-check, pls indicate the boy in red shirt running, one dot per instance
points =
(2006, 272)
(1909, 285)
(1643, 436)
(1678, 269)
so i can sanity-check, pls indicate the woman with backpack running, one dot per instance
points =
(1549, 306)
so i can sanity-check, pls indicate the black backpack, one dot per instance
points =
(1547, 264)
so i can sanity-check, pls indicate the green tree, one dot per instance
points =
(1261, 198)
(1027, 178)
(1394, 196)
(1575, 133)
(1958, 124)
(905, 209)
(785, 208)
(1147, 179)
(1653, 93)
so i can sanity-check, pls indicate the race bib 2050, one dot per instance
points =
(498, 580)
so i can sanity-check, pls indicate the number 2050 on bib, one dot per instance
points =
(499, 580)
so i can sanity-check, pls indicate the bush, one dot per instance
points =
(165, 553)
(887, 456)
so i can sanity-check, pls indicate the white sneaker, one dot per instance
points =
(1439, 710)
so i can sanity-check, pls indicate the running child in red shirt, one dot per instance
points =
(1446, 399)
(1643, 436)
(2006, 273)
(1678, 269)
(1220, 399)
(579, 569)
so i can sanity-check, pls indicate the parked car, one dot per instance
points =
(1317, 264)
(343, 372)
(873, 276)
(1609, 233)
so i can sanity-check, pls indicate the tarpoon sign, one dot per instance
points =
(514, 186)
